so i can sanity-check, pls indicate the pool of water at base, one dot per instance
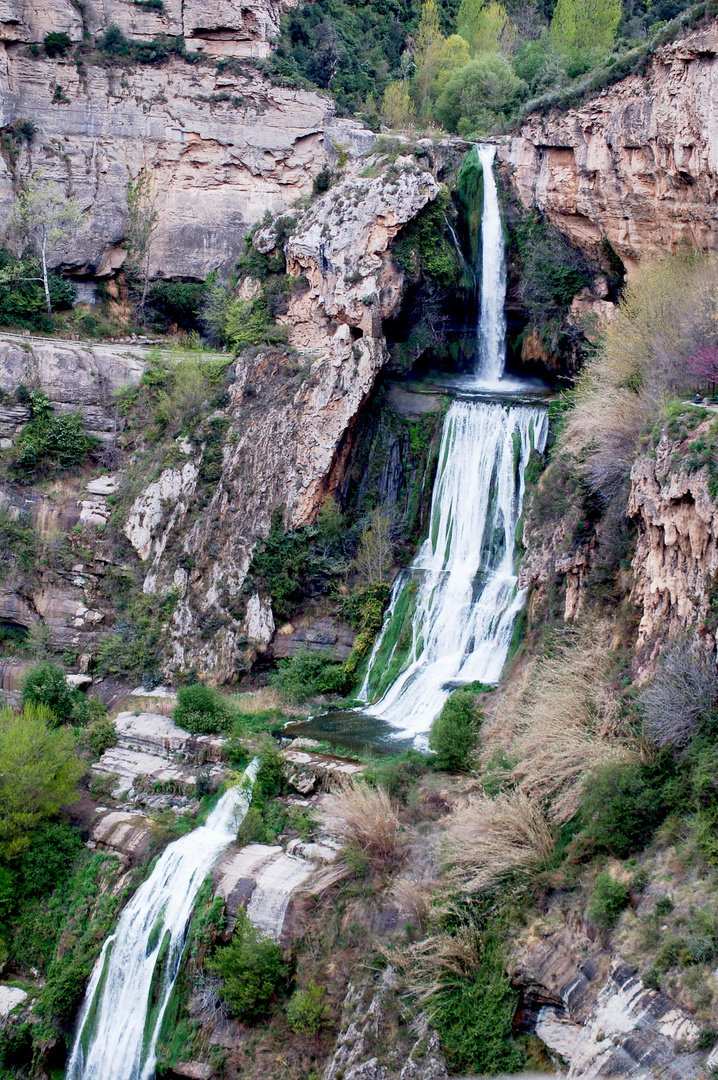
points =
(353, 730)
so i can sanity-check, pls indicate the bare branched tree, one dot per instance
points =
(683, 690)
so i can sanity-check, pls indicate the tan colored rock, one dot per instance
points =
(222, 149)
(638, 164)
(676, 552)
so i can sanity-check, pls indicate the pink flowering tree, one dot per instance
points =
(704, 365)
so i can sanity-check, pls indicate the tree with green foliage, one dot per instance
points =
(46, 684)
(429, 45)
(585, 24)
(49, 441)
(486, 27)
(201, 710)
(608, 900)
(39, 772)
(455, 732)
(307, 1010)
(46, 216)
(252, 970)
(142, 214)
(479, 96)
(397, 108)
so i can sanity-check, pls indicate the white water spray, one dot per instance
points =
(133, 978)
(492, 320)
(451, 616)
(465, 588)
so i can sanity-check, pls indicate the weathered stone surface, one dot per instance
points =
(638, 164)
(222, 148)
(155, 512)
(126, 834)
(309, 773)
(73, 376)
(317, 635)
(261, 879)
(10, 998)
(676, 552)
(160, 735)
(131, 765)
(288, 417)
(608, 1022)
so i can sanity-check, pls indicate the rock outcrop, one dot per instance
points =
(223, 146)
(598, 1015)
(676, 558)
(289, 412)
(638, 165)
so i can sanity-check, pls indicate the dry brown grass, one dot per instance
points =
(427, 965)
(491, 838)
(668, 311)
(360, 816)
(565, 722)
(261, 700)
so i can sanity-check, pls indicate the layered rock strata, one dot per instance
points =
(288, 412)
(222, 145)
(638, 165)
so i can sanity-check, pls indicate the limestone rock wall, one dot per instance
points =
(676, 558)
(638, 165)
(288, 412)
(223, 146)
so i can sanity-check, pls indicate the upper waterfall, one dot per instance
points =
(132, 980)
(492, 318)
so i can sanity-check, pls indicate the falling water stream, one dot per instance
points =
(133, 978)
(451, 615)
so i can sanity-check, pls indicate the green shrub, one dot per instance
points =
(263, 823)
(86, 709)
(48, 441)
(307, 1010)
(18, 544)
(309, 673)
(46, 684)
(455, 732)
(552, 269)
(56, 44)
(49, 859)
(621, 806)
(270, 775)
(22, 297)
(397, 774)
(39, 770)
(179, 302)
(101, 736)
(252, 970)
(201, 710)
(608, 900)
(474, 1015)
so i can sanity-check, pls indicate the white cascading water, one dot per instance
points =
(467, 594)
(492, 319)
(118, 1027)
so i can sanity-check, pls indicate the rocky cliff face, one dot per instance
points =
(638, 165)
(676, 556)
(288, 414)
(223, 146)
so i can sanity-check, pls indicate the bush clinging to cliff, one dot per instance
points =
(668, 311)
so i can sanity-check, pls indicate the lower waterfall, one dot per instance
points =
(133, 978)
(451, 615)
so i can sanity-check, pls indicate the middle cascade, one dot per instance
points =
(451, 615)
(461, 586)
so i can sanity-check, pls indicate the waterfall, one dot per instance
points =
(492, 320)
(456, 607)
(133, 978)
(450, 617)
